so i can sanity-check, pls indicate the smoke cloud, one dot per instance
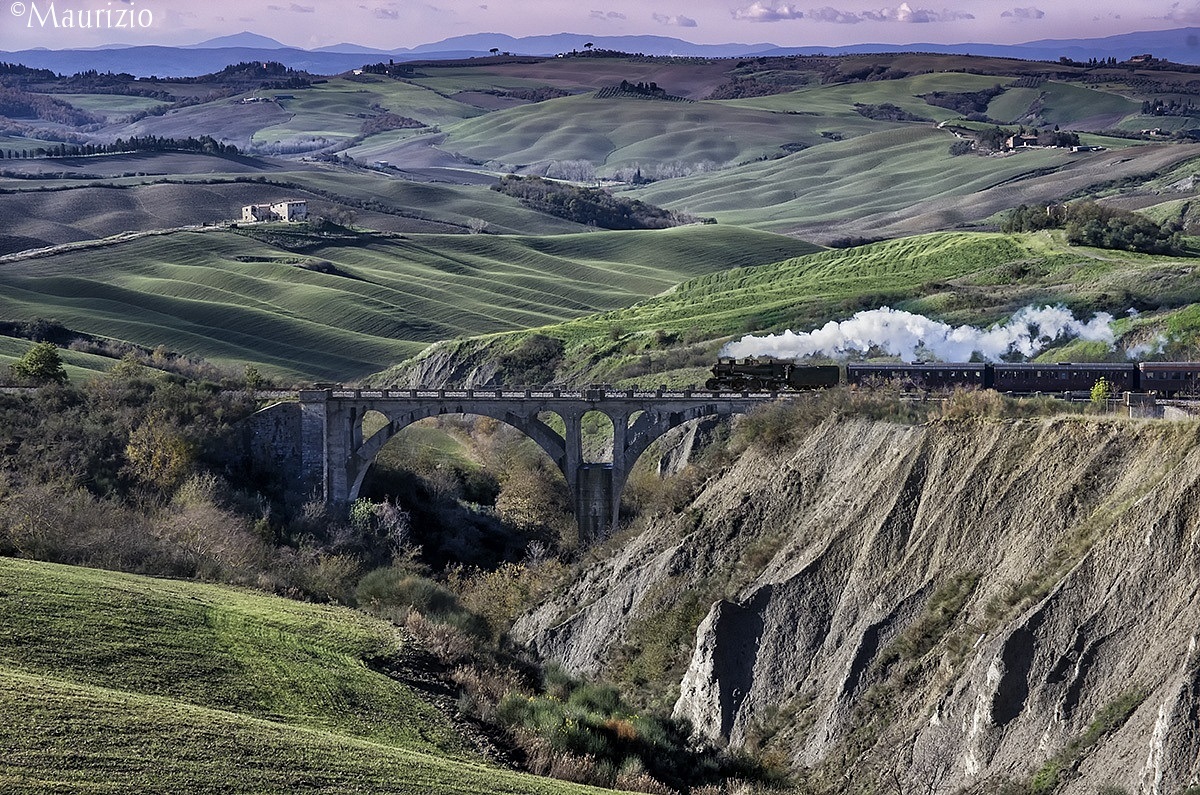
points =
(910, 337)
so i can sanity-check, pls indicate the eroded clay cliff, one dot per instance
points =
(929, 607)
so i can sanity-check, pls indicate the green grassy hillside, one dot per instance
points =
(345, 308)
(60, 200)
(625, 132)
(804, 161)
(335, 109)
(115, 683)
(838, 100)
(957, 278)
(79, 366)
(898, 182)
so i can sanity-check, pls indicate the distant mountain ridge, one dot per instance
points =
(1181, 45)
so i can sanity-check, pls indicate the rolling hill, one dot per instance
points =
(346, 307)
(829, 150)
(825, 148)
(971, 278)
(116, 683)
(900, 182)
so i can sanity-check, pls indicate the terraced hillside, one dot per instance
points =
(320, 308)
(116, 683)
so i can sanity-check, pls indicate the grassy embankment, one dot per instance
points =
(117, 683)
(229, 298)
(977, 278)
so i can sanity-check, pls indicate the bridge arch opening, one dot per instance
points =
(599, 434)
(478, 489)
(660, 476)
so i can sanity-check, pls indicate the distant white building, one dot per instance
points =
(291, 210)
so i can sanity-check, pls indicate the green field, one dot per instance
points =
(839, 100)
(335, 109)
(110, 104)
(903, 181)
(1062, 104)
(958, 278)
(79, 366)
(612, 133)
(115, 683)
(232, 299)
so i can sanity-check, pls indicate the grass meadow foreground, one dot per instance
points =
(118, 683)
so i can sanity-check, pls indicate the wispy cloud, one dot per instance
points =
(829, 14)
(295, 8)
(386, 13)
(679, 21)
(765, 12)
(1186, 13)
(607, 16)
(1024, 13)
(906, 13)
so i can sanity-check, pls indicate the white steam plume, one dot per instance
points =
(911, 337)
(1151, 348)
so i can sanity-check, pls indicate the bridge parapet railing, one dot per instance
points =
(532, 394)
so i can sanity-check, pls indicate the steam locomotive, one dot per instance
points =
(767, 374)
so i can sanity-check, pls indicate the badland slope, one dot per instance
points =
(942, 606)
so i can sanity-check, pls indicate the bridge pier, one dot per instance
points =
(336, 455)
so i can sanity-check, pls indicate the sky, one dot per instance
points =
(394, 24)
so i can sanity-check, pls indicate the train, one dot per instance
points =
(770, 374)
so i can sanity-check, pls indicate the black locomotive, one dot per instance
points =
(1163, 378)
(754, 375)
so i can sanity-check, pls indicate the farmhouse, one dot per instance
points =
(291, 210)
(1019, 141)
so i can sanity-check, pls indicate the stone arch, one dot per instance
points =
(363, 455)
(335, 455)
(649, 427)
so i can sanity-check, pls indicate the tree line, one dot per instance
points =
(591, 206)
(1174, 107)
(18, 104)
(205, 144)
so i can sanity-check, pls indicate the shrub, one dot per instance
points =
(395, 591)
(974, 403)
(591, 206)
(534, 363)
(497, 597)
(40, 365)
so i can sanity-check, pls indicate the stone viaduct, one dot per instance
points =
(338, 439)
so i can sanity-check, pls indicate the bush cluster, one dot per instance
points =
(534, 363)
(887, 112)
(1090, 224)
(591, 206)
(965, 103)
(18, 104)
(584, 732)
